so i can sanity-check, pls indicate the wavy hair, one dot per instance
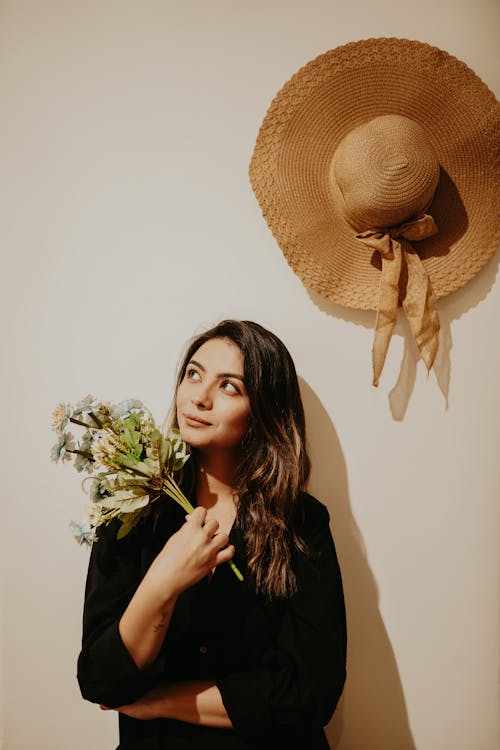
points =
(274, 465)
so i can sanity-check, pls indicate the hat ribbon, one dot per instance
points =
(393, 244)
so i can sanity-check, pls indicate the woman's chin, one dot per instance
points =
(193, 438)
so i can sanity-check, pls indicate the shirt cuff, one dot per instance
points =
(107, 673)
(245, 700)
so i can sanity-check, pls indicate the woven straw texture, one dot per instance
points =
(335, 93)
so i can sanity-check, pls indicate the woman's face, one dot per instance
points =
(212, 403)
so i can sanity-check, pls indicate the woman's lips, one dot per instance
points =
(196, 421)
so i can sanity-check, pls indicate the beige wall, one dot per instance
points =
(129, 223)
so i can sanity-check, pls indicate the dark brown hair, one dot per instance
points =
(274, 465)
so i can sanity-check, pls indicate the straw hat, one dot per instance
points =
(376, 169)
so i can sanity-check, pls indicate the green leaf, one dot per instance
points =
(179, 462)
(127, 459)
(125, 501)
(131, 422)
(149, 466)
(128, 481)
(166, 451)
(155, 437)
(131, 439)
(128, 523)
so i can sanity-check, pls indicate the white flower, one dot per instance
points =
(82, 532)
(96, 516)
(86, 404)
(84, 463)
(60, 417)
(147, 427)
(88, 438)
(99, 488)
(124, 408)
(62, 449)
(104, 448)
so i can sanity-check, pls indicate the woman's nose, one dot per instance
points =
(202, 397)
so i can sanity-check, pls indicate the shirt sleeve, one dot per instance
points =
(106, 672)
(299, 680)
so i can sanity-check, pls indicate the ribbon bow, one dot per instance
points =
(419, 301)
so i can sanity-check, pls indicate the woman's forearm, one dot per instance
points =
(186, 558)
(145, 622)
(197, 702)
(194, 701)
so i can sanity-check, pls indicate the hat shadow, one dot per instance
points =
(372, 711)
(450, 308)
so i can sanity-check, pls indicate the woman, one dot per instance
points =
(188, 655)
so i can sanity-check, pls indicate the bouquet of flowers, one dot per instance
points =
(132, 463)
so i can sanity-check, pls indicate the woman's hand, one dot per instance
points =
(191, 553)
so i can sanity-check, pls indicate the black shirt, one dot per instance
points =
(279, 665)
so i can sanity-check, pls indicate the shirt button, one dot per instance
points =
(203, 649)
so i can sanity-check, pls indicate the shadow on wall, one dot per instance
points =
(371, 714)
(450, 308)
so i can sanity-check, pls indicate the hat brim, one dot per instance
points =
(335, 93)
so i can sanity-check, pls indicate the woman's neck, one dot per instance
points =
(215, 478)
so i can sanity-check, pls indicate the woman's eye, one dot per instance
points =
(192, 374)
(229, 387)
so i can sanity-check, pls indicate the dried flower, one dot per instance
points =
(63, 448)
(60, 417)
(82, 532)
(136, 464)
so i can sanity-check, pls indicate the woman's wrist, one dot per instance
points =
(162, 588)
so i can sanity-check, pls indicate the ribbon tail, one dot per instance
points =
(419, 305)
(387, 309)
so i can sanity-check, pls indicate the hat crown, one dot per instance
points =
(386, 172)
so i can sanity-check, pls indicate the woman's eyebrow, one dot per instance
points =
(220, 374)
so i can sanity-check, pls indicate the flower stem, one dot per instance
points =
(83, 453)
(96, 420)
(236, 571)
(82, 424)
(172, 489)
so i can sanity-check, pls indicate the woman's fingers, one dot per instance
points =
(219, 540)
(224, 555)
(198, 515)
(199, 518)
(193, 551)
(211, 527)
